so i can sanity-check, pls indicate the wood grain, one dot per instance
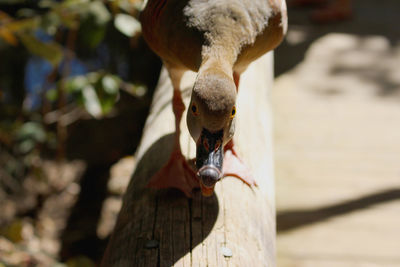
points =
(164, 228)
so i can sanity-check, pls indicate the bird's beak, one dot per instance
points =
(209, 158)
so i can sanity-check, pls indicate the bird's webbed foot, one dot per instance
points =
(234, 166)
(176, 173)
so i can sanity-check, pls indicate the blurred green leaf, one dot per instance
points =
(32, 130)
(100, 13)
(93, 77)
(96, 91)
(95, 17)
(91, 101)
(107, 90)
(52, 95)
(26, 146)
(110, 84)
(50, 51)
(107, 103)
(76, 84)
(91, 34)
(94, 10)
(23, 24)
(50, 22)
(29, 135)
(127, 25)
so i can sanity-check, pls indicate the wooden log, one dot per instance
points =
(235, 226)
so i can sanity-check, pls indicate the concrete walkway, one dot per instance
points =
(337, 140)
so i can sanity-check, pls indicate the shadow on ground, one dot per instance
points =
(369, 19)
(292, 219)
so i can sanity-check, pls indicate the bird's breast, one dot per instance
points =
(167, 33)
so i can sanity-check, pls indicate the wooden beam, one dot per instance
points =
(235, 226)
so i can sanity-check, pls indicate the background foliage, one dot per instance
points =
(76, 81)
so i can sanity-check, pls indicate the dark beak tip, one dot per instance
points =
(209, 176)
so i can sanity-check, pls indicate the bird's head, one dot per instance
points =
(211, 123)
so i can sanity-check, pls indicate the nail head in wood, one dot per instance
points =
(227, 252)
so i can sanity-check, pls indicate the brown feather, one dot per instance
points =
(188, 32)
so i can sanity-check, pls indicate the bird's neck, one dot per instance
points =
(215, 84)
(218, 61)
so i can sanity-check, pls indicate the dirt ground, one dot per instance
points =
(336, 113)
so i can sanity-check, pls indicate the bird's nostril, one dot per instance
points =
(209, 176)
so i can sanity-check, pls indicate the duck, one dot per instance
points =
(218, 39)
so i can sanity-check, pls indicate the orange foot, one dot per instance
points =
(176, 173)
(234, 166)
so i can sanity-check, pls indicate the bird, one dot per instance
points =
(218, 39)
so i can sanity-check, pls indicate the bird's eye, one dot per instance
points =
(194, 109)
(233, 112)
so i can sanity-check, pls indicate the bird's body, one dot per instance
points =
(218, 39)
(187, 32)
